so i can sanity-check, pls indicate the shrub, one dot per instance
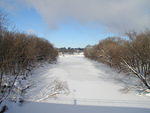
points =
(131, 55)
(19, 53)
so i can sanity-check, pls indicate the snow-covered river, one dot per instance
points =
(92, 89)
(88, 82)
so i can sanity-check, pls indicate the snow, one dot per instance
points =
(89, 85)
(66, 108)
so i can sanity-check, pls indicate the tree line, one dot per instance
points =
(70, 50)
(130, 55)
(19, 54)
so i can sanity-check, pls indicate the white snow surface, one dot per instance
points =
(91, 85)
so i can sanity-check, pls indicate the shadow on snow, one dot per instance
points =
(38, 107)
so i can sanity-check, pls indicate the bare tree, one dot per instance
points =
(19, 54)
(130, 56)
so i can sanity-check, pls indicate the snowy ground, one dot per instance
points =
(90, 85)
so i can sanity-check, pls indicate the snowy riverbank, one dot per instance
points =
(85, 82)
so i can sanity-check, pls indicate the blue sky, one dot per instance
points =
(70, 34)
(77, 23)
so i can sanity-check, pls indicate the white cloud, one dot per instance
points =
(115, 15)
